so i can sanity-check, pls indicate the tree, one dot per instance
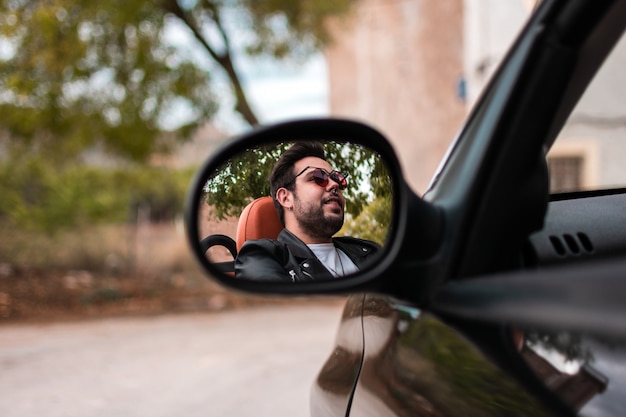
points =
(281, 28)
(39, 197)
(373, 223)
(77, 74)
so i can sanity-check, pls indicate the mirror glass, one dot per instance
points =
(337, 213)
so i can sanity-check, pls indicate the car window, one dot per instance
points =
(585, 370)
(588, 153)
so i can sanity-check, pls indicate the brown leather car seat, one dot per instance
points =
(258, 220)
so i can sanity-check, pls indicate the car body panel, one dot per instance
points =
(442, 335)
(493, 191)
(332, 392)
(416, 365)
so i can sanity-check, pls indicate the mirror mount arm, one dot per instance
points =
(416, 270)
(424, 228)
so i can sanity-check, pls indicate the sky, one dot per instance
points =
(284, 90)
(276, 90)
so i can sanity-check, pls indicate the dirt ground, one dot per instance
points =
(50, 295)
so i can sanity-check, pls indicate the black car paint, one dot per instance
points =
(422, 345)
(332, 392)
(511, 206)
(414, 364)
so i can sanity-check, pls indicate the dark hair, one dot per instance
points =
(282, 174)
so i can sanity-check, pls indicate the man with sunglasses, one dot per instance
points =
(307, 194)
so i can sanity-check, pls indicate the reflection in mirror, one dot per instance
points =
(296, 212)
(587, 372)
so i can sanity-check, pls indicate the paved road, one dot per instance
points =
(257, 362)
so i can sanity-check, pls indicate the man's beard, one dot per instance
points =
(311, 218)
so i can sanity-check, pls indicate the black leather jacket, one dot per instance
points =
(288, 259)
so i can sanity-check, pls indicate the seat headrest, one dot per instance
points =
(258, 220)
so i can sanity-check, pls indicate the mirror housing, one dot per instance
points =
(414, 233)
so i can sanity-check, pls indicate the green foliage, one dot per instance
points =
(38, 197)
(372, 223)
(79, 73)
(241, 180)
(79, 76)
(85, 73)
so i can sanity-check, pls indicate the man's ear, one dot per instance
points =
(284, 198)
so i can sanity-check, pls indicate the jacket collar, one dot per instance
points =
(306, 259)
(298, 248)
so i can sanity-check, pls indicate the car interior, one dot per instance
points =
(580, 227)
(258, 220)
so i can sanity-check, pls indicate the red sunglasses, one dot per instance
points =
(321, 177)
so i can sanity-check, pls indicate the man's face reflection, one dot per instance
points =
(318, 210)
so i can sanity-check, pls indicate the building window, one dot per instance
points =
(565, 173)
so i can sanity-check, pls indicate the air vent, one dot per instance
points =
(572, 245)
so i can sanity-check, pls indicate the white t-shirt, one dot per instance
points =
(335, 260)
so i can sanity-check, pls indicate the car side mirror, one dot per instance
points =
(233, 224)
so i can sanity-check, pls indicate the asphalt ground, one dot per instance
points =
(258, 362)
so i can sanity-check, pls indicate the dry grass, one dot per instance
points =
(109, 270)
(110, 248)
(115, 269)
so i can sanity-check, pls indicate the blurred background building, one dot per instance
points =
(414, 68)
(398, 65)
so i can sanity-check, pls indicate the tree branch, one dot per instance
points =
(224, 59)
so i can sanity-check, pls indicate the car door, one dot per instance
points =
(333, 388)
(416, 364)
(462, 310)
(495, 195)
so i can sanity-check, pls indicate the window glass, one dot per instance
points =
(587, 372)
(589, 152)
